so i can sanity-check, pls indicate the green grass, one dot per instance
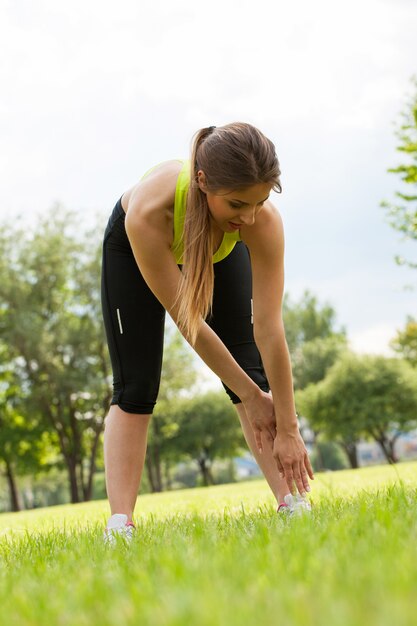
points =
(222, 555)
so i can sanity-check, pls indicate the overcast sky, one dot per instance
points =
(94, 93)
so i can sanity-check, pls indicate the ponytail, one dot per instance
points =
(234, 156)
(195, 292)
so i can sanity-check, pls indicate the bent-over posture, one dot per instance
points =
(201, 239)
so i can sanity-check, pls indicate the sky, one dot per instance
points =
(95, 93)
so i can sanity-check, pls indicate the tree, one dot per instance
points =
(313, 342)
(306, 321)
(405, 342)
(209, 429)
(328, 455)
(403, 217)
(24, 445)
(12, 425)
(50, 299)
(392, 406)
(314, 358)
(177, 378)
(320, 404)
(363, 396)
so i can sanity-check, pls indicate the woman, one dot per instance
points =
(201, 240)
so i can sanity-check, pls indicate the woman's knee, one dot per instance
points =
(116, 412)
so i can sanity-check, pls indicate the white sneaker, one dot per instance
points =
(118, 526)
(294, 505)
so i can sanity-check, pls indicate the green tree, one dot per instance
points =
(178, 378)
(51, 322)
(328, 455)
(392, 406)
(403, 217)
(315, 357)
(405, 342)
(328, 419)
(306, 320)
(313, 341)
(209, 430)
(24, 445)
(363, 396)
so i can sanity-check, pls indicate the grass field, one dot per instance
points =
(222, 555)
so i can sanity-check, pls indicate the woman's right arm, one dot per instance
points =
(150, 240)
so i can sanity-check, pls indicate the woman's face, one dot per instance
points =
(240, 208)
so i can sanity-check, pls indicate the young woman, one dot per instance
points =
(201, 239)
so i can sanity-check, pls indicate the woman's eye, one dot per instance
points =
(238, 206)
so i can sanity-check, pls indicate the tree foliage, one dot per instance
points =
(52, 323)
(313, 341)
(178, 377)
(209, 429)
(405, 341)
(363, 396)
(403, 216)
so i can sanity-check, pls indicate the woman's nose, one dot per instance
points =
(248, 219)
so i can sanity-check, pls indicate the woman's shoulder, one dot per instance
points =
(156, 188)
(267, 231)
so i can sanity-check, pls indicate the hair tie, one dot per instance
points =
(211, 128)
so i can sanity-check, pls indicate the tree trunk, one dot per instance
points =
(352, 453)
(157, 465)
(150, 471)
(168, 481)
(156, 456)
(15, 500)
(387, 448)
(204, 472)
(391, 448)
(203, 463)
(72, 475)
(76, 460)
(88, 492)
(81, 483)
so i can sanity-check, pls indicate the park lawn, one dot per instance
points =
(222, 555)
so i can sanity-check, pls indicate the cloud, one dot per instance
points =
(374, 339)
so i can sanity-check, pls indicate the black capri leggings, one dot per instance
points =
(134, 319)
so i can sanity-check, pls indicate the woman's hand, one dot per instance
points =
(292, 460)
(261, 414)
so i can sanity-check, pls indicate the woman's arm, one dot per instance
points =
(265, 240)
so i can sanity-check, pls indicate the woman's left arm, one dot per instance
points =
(265, 240)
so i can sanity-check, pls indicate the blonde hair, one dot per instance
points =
(233, 157)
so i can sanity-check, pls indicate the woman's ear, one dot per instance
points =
(201, 179)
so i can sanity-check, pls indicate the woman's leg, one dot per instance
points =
(125, 443)
(266, 461)
(134, 323)
(232, 322)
